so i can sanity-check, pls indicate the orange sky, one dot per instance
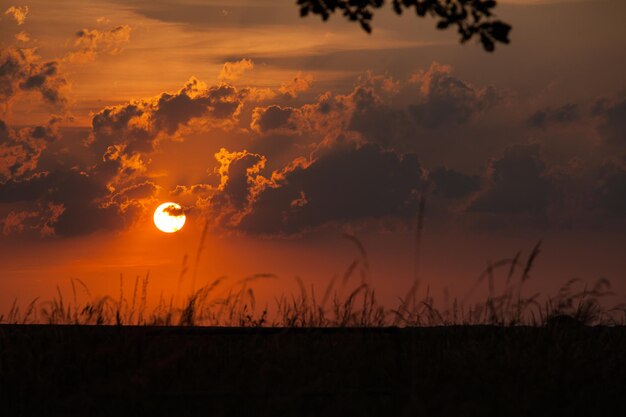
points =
(283, 133)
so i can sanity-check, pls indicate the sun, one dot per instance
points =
(169, 217)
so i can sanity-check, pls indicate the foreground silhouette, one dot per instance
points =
(440, 371)
(471, 17)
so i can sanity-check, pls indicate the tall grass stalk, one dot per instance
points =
(351, 304)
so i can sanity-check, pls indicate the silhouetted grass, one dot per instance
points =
(336, 352)
(347, 301)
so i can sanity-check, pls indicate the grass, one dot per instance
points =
(338, 352)
(347, 301)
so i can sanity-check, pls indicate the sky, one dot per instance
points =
(281, 134)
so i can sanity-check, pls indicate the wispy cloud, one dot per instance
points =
(18, 13)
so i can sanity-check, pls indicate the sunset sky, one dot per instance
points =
(282, 133)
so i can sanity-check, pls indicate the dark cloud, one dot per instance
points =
(20, 150)
(379, 109)
(613, 115)
(240, 179)
(362, 111)
(377, 121)
(610, 192)
(68, 203)
(136, 126)
(343, 165)
(517, 182)
(446, 99)
(174, 211)
(449, 183)
(73, 202)
(110, 194)
(272, 118)
(21, 70)
(565, 114)
(343, 184)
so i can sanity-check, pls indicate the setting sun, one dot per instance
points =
(169, 217)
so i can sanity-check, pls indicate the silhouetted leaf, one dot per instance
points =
(471, 17)
(500, 31)
(487, 43)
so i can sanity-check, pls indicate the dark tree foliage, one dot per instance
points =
(471, 17)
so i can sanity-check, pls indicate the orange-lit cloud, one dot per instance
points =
(308, 194)
(139, 124)
(114, 192)
(22, 70)
(232, 71)
(21, 149)
(22, 37)
(91, 43)
(15, 221)
(304, 158)
(18, 13)
(300, 83)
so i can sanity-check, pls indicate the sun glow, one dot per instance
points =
(169, 217)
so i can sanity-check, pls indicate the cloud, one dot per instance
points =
(565, 114)
(113, 192)
(72, 202)
(69, 203)
(337, 159)
(446, 99)
(232, 71)
(21, 149)
(142, 189)
(18, 13)
(199, 190)
(361, 111)
(22, 37)
(343, 184)
(610, 191)
(240, 177)
(91, 43)
(379, 109)
(276, 118)
(517, 182)
(21, 70)
(453, 184)
(300, 83)
(612, 112)
(137, 126)
(174, 211)
(15, 221)
(604, 117)
(376, 120)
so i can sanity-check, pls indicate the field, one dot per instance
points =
(555, 370)
(339, 352)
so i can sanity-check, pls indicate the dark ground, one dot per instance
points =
(443, 371)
